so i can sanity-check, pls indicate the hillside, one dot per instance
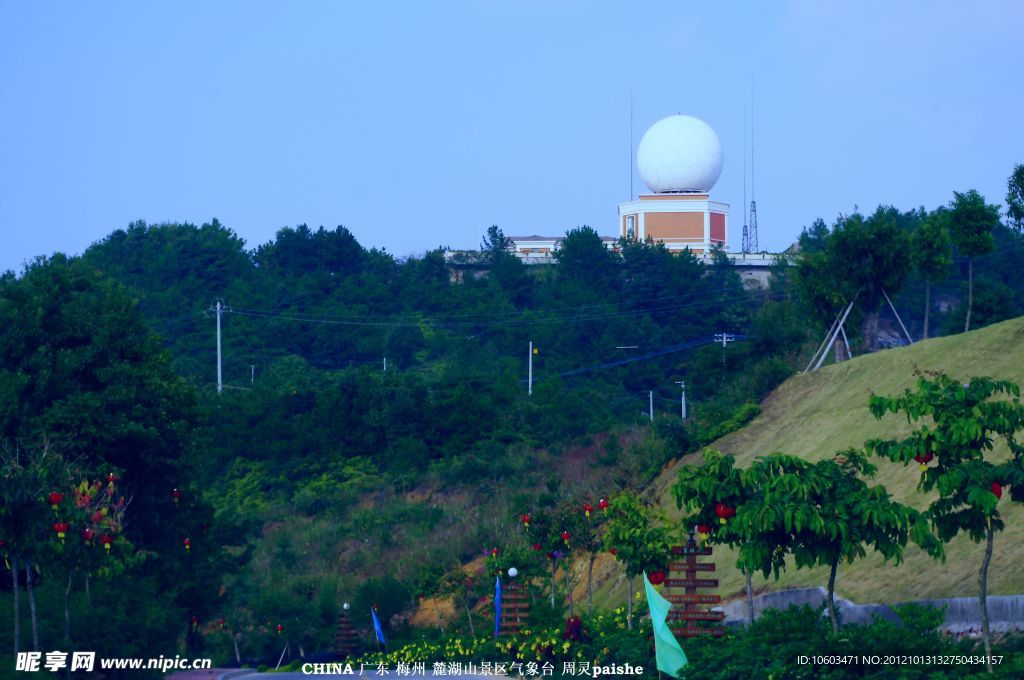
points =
(815, 414)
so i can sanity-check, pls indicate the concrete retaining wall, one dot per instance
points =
(1005, 612)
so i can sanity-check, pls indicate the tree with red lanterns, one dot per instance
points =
(93, 525)
(954, 447)
(819, 513)
(716, 489)
(640, 538)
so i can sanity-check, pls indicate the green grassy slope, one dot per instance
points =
(816, 414)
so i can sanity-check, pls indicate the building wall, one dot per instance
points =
(718, 227)
(674, 225)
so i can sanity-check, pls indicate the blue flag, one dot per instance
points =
(497, 606)
(376, 626)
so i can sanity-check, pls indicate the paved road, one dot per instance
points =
(366, 674)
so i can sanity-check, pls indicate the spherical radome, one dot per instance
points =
(678, 154)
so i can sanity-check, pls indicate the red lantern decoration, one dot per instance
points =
(220, 622)
(111, 480)
(656, 577)
(106, 540)
(997, 489)
(566, 536)
(187, 542)
(724, 512)
(536, 546)
(55, 498)
(176, 495)
(87, 535)
(280, 628)
(603, 504)
(587, 509)
(613, 551)
(195, 622)
(62, 529)
(525, 519)
(97, 517)
(704, 529)
(923, 459)
(494, 552)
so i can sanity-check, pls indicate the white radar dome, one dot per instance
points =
(679, 154)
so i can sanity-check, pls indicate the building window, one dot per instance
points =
(631, 227)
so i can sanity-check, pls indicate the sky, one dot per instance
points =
(420, 124)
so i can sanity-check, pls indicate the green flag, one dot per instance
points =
(669, 655)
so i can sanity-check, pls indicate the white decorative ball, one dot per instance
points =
(513, 572)
(679, 154)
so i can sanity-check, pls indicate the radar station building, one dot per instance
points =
(679, 159)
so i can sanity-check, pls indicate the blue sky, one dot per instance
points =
(420, 124)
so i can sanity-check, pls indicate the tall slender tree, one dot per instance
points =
(954, 446)
(932, 254)
(1015, 198)
(971, 222)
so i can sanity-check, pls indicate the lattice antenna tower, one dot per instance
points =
(745, 247)
(752, 230)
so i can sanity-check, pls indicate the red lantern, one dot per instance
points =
(603, 504)
(724, 512)
(176, 495)
(280, 629)
(704, 529)
(613, 551)
(195, 622)
(87, 535)
(220, 622)
(62, 529)
(566, 536)
(187, 542)
(106, 540)
(55, 498)
(587, 509)
(525, 519)
(536, 546)
(494, 552)
(656, 577)
(111, 479)
(923, 459)
(97, 517)
(997, 489)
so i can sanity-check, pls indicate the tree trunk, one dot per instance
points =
(629, 603)
(16, 592)
(469, 613)
(590, 584)
(67, 607)
(870, 329)
(32, 605)
(750, 596)
(832, 596)
(554, 563)
(568, 591)
(970, 293)
(927, 305)
(234, 642)
(983, 599)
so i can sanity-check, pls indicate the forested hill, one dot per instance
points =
(318, 476)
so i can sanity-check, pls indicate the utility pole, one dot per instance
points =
(529, 378)
(725, 339)
(682, 399)
(650, 408)
(220, 381)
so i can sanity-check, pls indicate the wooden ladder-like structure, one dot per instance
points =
(515, 610)
(345, 638)
(686, 607)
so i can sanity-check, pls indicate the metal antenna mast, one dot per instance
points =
(746, 235)
(630, 164)
(752, 231)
